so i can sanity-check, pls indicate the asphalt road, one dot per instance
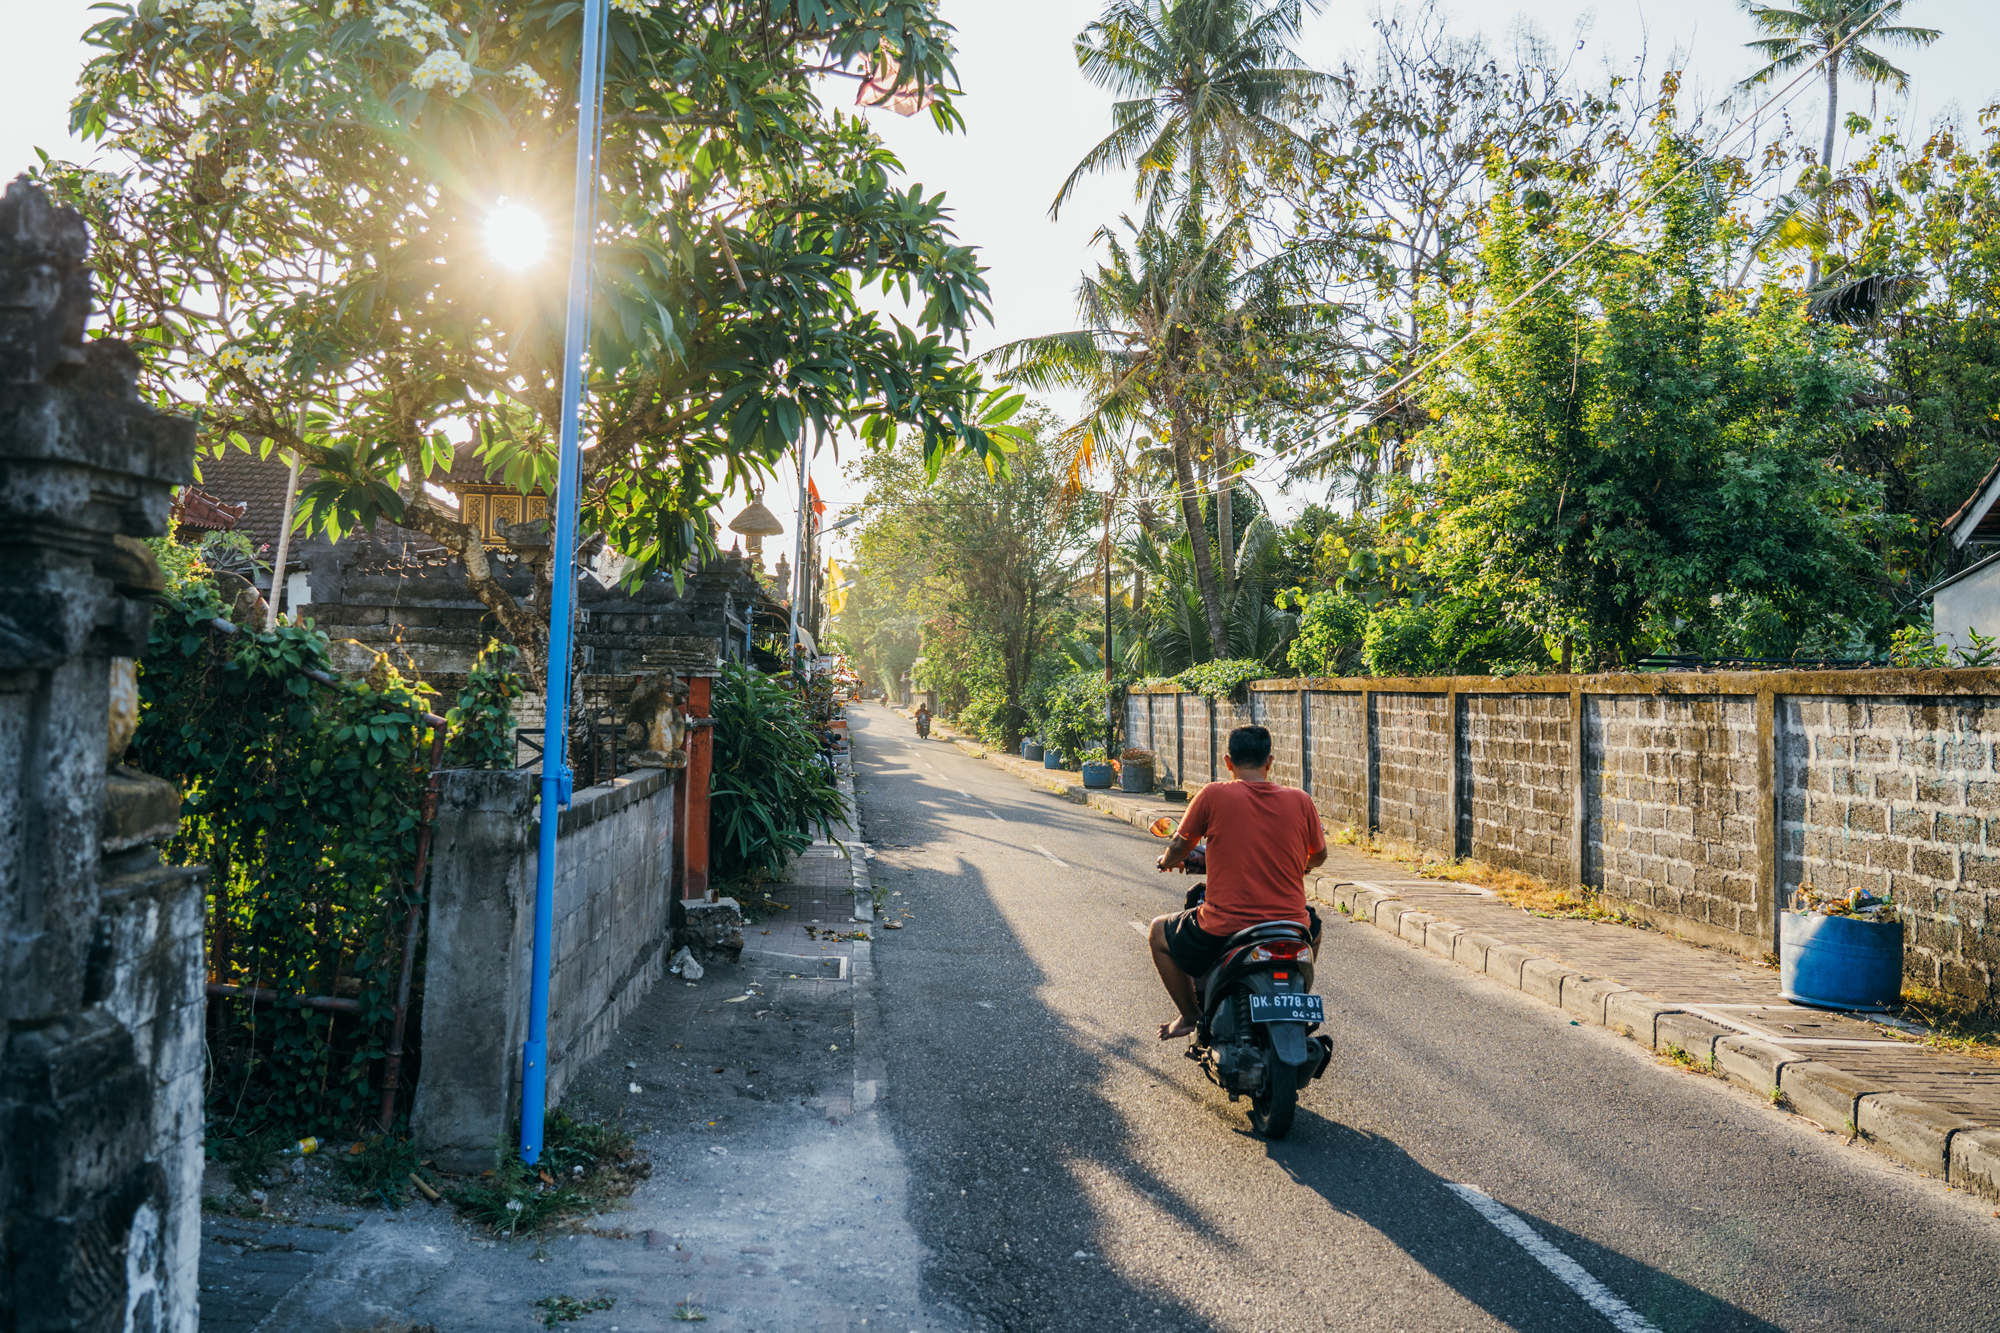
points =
(1068, 1171)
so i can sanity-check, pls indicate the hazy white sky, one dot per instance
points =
(1030, 116)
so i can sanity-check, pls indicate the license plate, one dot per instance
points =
(1287, 1009)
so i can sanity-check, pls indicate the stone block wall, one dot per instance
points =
(1197, 730)
(1888, 780)
(1516, 794)
(613, 899)
(1410, 751)
(1163, 735)
(1337, 731)
(1670, 804)
(1278, 712)
(1900, 795)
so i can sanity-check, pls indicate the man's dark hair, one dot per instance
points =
(1250, 747)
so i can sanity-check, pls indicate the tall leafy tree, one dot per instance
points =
(983, 559)
(1206, 87)
(302, 246)
(1632, 461)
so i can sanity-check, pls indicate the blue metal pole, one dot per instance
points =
(557, 779)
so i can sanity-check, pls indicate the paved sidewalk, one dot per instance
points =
(1934, 1112)
(776, 1200)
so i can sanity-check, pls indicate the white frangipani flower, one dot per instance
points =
(268, 15)
(97, 186)
(445, 67)
(525, 75)
(211, 12)
(146, 140)
(390, 22)
(629, 6)
(212, 101)
(198, 142)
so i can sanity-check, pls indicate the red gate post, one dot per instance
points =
(701, 758)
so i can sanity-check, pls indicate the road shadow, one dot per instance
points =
(1372, 1179)
(1027, 1084)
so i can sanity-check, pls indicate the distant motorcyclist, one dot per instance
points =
(923, 721)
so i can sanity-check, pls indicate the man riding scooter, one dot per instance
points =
(1262, 839)
(923, 721)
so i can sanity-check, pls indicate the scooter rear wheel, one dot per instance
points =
(1271, 1110)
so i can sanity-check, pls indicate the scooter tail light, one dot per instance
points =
(1280, 951)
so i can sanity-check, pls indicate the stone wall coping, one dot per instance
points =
(1875, 681)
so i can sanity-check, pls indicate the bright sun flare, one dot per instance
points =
(516, 235)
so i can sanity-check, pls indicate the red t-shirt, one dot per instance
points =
(1260, 836)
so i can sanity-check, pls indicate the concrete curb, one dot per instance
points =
(1926, 1138)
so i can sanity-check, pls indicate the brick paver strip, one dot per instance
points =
(1715, 988)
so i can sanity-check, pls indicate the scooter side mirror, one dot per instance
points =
(1164, 826)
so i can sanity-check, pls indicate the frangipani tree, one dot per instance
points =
(325, 240)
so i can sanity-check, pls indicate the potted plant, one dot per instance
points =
(1031, 750)
(1097, 772)
(1136, 773)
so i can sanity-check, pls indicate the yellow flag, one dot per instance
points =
(836, 597)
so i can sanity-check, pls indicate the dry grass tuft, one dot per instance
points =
(1531, 893)
(1956, 1026)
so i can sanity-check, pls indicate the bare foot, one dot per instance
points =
(1180, 1027)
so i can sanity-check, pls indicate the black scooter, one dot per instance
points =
(1257, 1013)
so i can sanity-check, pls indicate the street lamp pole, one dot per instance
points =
(556, 775)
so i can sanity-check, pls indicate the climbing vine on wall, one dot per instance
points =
(304, 801)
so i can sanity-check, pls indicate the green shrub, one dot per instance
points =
(1330, 634)
(1074, 714)
(1222, 679)
(770, 787)
(1400, 640)
(482, 722)
(302, 801)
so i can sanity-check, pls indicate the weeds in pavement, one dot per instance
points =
(1952, 1024)
(1682, 1058)
(689, 1313)
(564, 1309)
(1778, 1098)
(378, 1169)
(582, 1166)
(252, 1157)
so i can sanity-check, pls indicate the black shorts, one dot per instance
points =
(1195, 951)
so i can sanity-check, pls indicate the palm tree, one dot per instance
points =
(1206, 84)
(1832, 31)
(1169, 329)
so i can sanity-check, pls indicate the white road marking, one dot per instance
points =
(1567, 1270)
(966, 794)
(1051, 855)
(996, 818)
(1136, 926)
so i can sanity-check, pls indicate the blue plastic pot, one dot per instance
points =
(1031, 750)
(1836, 962)
(1097, 773)
(1052, 759)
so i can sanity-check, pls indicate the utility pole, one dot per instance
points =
(799, 561)
(1110, 704)
(557, 779)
